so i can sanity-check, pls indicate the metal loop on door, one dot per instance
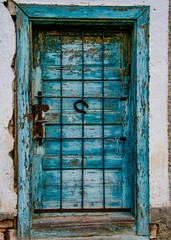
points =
(79, 110)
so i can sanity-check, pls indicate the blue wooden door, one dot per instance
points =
(81, 136)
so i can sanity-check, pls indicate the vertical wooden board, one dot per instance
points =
(37, 180)
(142, 124)
(126, 122)
(23, 60)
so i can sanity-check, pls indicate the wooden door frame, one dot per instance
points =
(27, 14)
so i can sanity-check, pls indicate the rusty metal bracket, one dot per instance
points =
(79, 110)
(38, 120)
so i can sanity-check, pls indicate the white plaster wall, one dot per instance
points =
(158, 92)
(8, 199)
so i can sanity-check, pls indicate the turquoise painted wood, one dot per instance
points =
(80, 12)
(24, 201)
(142, 124)
(138, 129)
(48, 59)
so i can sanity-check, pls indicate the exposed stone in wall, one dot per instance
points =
(164, 232)
(8, 198)
(160, 224)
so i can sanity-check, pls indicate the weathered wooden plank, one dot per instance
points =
(112, 230)
(74, 88)
(114, 105)
(110, 73)
(92, 116)
(23, 61)
(142, 124)
(93, 131)
(86, 220)
(75, 162)
(73, 147)
(81, 12)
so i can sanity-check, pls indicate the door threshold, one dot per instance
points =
(85, 220)
(119, 237)
(84, 227)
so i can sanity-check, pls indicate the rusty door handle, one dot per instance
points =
(38, 120)
(79, 110)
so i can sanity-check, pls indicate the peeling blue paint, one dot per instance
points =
(140, 16)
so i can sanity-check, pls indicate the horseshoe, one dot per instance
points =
(79, 110)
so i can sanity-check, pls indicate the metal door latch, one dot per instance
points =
(38, 120)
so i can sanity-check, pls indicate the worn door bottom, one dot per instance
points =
(85, 227)
(117, 237)
(126, 237)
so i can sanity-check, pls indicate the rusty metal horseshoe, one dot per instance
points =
(79, 110)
